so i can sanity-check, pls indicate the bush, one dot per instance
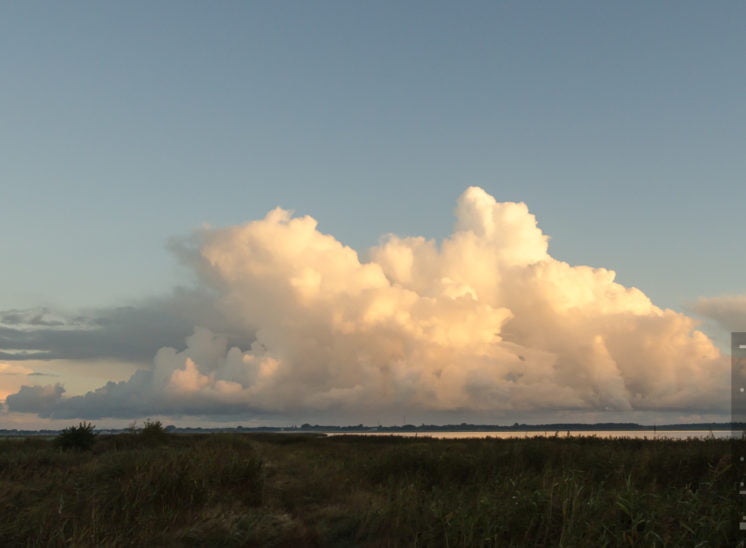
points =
(81, 437)
(153, 432)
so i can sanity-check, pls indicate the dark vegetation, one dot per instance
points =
(81, 437)
(425, 428)
(150, 488)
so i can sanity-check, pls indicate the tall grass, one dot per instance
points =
(298, 490)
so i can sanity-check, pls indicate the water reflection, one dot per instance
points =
(637, 434)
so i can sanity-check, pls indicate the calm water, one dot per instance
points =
(642, 434)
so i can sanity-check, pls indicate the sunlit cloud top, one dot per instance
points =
(485, 320)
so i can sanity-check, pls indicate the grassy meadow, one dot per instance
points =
(158, 489)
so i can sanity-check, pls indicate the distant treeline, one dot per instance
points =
(463, 427)
(516, 427)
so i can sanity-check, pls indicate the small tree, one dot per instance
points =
(80, 438)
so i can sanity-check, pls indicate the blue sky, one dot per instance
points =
(622, 127)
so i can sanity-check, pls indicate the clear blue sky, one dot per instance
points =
(621, 125)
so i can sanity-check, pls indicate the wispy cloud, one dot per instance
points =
(14, 369)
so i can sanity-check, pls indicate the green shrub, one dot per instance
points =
(81, 437)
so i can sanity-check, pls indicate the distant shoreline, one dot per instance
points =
(463, 427)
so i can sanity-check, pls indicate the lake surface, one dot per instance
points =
(638, 434)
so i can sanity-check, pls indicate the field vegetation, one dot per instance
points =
(150, 488)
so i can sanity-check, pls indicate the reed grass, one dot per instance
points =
(163, 489)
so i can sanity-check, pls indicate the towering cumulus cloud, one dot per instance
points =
(485, 320)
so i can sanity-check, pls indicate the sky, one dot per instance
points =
(448, 176)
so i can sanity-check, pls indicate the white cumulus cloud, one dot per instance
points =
(485, 320)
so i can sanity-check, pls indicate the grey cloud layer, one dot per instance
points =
(130, 333)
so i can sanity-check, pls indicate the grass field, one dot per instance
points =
(306, 490)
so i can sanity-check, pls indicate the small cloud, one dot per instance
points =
(728, 311)
(35, 399)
